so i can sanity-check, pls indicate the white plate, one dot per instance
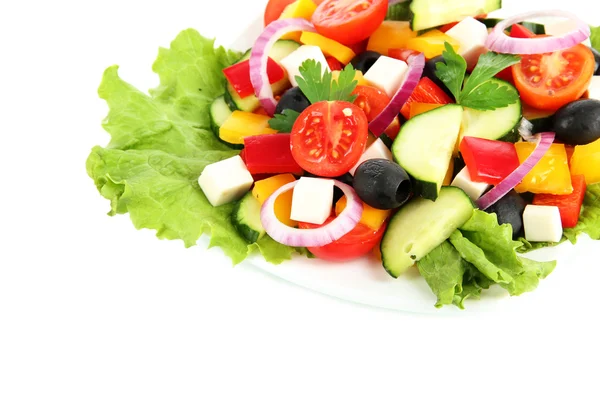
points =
(366, 282)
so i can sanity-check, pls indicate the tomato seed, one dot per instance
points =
(335, 154)
(536, 79)
(533, 68)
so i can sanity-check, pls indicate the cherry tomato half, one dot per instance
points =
(356, 243)
(274, 9)
(549, 81)
(329, 137)
(372, 101)
(349, 21)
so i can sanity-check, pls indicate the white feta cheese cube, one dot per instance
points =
(473, 189)
(294, 60)
(542, 224)
(471, 36)
(387, 74)
(594, 88)
(312, 200)
(561, 27)
(377, 149)
(225, 181)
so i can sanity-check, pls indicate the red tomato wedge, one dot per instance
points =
(349, 21)
(358, 242)
(549, 81)
(274, 9)
(425, 92)
(372, 101)
(569, 205)
(329, 137)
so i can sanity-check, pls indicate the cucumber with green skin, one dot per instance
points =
(432, 13)
(246, 218)
(219, 112)
(498, 124)
(420, 226)
(425, 145)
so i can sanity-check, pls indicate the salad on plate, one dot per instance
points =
(418, 134)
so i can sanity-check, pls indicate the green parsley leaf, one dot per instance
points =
(595, 38)
(285, 121)
(452, 70)
(317, 87)
(487, 67)
(342, 88)
(489, 96)
(477, 91)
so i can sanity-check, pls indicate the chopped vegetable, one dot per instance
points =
(431, 43)
(238, 76)
(264, 188)
(586, 162)
(488, 161)
(569, 205)
(241, 124)
(425, 92)
(551, 173)
(270, 154)
(329, 47)
(390, 35)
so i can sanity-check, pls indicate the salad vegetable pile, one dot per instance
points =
(417, 133)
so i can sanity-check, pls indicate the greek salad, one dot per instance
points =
(422, 134)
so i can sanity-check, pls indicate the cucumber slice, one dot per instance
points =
(283, 48)
(431, 13)
(422, 225)
(425, 145)
(246, 218)
(219, 112)
(498, 124)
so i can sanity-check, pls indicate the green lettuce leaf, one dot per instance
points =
(161, 142)
(498, 248)
(589, 219)
(443, 269)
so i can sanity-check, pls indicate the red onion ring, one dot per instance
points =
(499, 42)
(260, 55)
(416, 64)
(545, 140)
(341, 225)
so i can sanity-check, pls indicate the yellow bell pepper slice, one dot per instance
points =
(283, 205)
(358, 76)
(551, 175)
(328, 46)
(431, 43)
(586, 162)
(242, 124)
(298, 9)
(371, 217)
(390, 35)
(420, 108)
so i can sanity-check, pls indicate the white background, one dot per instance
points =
(90, 308)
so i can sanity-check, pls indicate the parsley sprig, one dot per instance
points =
(479, 91)
(317, 86)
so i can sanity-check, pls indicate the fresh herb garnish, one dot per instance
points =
(285, 121)
(317, 87)
(479, 91)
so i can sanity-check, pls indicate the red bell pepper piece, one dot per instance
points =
(425, 92)
(238, 76)
(334, 64)
(516, 31)
(489, 161)
(270, 154)
(569, 205)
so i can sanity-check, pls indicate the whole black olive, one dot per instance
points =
(429, 71)
(597, 59)
(382, 184)
(578, 123)
(509, 210)
(293, 99)
(365, 60)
